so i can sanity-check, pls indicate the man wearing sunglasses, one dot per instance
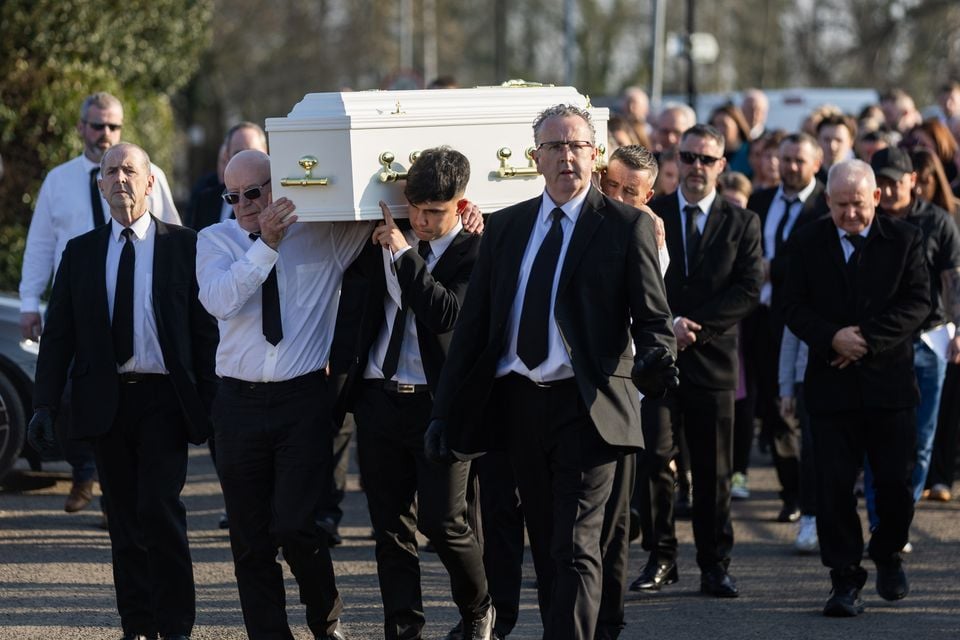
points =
(70, 204)
(712, 283)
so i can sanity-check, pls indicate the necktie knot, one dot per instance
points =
(789, 202)
(423, 248)
(127, 234)
(557, 215)
(253, 236)
(856, 240)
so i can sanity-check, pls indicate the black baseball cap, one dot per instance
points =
(891, 162)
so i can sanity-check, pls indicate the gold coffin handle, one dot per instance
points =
(388, 173)
(507, 171)
(601, 163)
(307, 179)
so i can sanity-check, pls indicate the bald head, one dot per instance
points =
(247, 177)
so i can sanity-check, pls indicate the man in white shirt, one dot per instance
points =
(69, 204)
(273, 285)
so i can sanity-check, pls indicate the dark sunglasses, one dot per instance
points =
(232, 197)
(100, 126)
(689, 157)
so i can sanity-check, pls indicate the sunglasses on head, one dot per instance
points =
(100, 126)
(689, 157)
(232, 197)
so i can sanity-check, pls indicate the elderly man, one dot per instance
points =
(69, 204)
(142, 351)
(856, 292)
(541, 360)
(673, 120)
(755, 107)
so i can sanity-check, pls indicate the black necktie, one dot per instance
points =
(693, 234)
(392, 358)
(95, 203)
(122, 325)
(532, 345)
(857, 242)
(270, 305)
(778, 240)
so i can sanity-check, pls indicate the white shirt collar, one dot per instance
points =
(705, 204)
(439, 245)
(862, 234)
(802, 195)
(140, 227)
(571, 208)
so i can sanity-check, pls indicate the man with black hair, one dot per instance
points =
(418, 276)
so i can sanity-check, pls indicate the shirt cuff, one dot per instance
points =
(397, 255)
(30, 305)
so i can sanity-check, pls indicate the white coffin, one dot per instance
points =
(348, 133)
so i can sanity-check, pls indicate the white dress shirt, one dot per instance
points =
(409, 364)
(147, 356)
(705, 205)
(64, 212)
(310, 264)
(775, 213)
(557, 365)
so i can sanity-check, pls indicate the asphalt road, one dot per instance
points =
(55, 578)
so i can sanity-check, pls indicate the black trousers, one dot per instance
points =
(564, 473)
(406, 492)
(943, 460)
(706, 419)
(840, 441)
(615, 547)
(503, 543)
(808, 466)
(273, 453)
(142, 464)
(654, 494)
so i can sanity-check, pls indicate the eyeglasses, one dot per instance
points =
(232, 197)
(689, 157)
(558, 146)
(100, 126)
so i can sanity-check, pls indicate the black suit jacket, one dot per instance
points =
(206, 204)
(78, 330)
(609, 288)
(433, 298)
(889, 301)
(723, 286)
(814, 207)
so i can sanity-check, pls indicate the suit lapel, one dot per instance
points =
(98, 274)
(510, 256)
(450, 259)
(672, 225)
(587, 223)
(161, 265)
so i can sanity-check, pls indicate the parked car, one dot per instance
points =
(18, 363)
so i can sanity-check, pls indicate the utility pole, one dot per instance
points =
(688, 53)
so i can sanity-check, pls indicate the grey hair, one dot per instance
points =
(850, 172)
(563, 111)
(145, 164)
(685, 109)
(101, 100)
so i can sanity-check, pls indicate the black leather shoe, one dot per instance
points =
(844, 602)
(719, 584)
(892, 580)
(789, 513)
(477, 629)
(655, 575)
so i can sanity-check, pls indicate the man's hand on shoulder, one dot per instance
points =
(40, 432)
(470, 217)
(654, 372)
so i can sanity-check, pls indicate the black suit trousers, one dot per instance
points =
(654, 494)
(273, 455)
(564, 472)
(142, 463)
(840, 441)
(706, 418)
(406, 492)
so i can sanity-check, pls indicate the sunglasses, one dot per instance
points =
(100, 126)
(689, 157)
(232, 197)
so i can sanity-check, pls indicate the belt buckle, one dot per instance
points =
(403, 387)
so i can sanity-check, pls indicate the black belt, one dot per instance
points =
(399, 387)
(550, 384)
(246, 385)
(133, 377)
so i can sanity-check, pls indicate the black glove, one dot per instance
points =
(654, 372)
(435, 442)
(40, 432)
